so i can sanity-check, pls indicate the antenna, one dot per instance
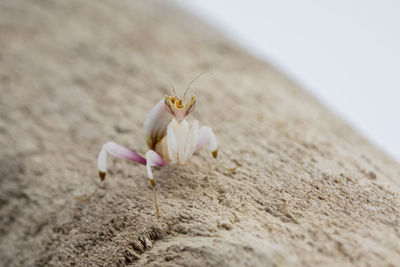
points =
(173, 89)
(194, 79)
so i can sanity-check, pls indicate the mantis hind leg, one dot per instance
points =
(117, 151)
(206, 135)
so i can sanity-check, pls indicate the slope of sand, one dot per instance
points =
(293, 184)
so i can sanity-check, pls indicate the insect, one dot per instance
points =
(169, 136)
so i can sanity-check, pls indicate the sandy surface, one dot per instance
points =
(293, 184)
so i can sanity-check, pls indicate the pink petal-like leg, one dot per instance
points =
(116, 151)
(206, 135)
(153, 159)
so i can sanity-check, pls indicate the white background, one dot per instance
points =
(346, 53)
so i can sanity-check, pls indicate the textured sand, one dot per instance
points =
(293, 184)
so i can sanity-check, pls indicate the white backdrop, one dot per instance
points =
(346, 53)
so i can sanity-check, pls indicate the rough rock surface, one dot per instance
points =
(293, 184)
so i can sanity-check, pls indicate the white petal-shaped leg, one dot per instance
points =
(182, 139)
(191, 141)
(154, 159)
(117, 151)
(155, 125)
(206, 135)
(172, 143)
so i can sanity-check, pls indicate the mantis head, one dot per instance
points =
(179, 108)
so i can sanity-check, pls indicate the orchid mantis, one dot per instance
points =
(169, 136)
